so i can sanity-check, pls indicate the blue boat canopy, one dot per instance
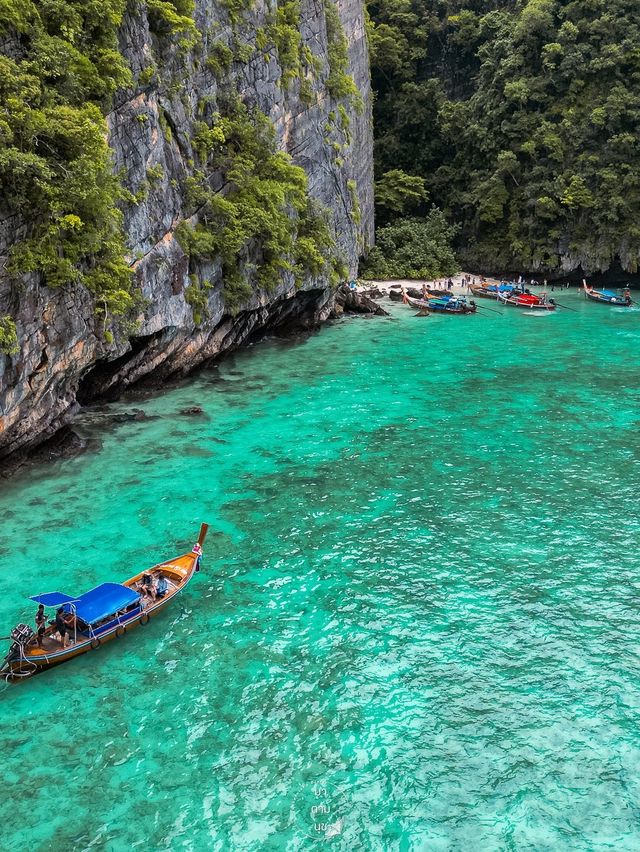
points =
(52, 599)
(103, 601)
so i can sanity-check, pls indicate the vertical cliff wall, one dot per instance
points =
(302, 65)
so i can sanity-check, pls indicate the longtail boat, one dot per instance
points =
(492, 291)
(528, 301)
(106, 612)
(607, 297)
(445, 305)
(484, 291)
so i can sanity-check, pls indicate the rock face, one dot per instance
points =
(64, 359)
(354, 302)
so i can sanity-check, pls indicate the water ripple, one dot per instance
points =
(416, 627)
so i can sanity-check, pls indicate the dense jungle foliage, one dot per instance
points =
(520, 120)
(59, 68)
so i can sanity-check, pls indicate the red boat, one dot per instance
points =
(528, 301)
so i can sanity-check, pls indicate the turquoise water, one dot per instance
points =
(418, 612)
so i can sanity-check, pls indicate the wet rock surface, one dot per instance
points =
(66, 443)
(355, 302)
(374, 293)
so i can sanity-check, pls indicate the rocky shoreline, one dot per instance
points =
(80, 431)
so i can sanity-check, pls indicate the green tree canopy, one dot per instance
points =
(397, 192)
(523, 118)
(413, 248)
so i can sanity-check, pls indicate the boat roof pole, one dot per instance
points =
(72, 607)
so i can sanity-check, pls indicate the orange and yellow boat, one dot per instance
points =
(107, 612)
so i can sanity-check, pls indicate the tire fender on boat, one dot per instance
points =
(120, 631)
(144, 618)
(95, 643)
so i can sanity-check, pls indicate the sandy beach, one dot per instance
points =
(458, 287)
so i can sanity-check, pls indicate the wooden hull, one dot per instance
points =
(32, 659)
(533, 307)
(33, 664)
(426, 305)
(420, 304)
(601, 299)
(483, 293)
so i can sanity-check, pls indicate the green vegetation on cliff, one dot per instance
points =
(57, 78)
(340, 84)
(263, 190)
(8, 336)
(59, 70)
(523, 120)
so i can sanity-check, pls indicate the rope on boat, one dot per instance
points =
(19, 673)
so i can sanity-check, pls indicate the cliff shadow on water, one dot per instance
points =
(94, 415)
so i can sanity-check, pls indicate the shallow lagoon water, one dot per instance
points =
(418, 612)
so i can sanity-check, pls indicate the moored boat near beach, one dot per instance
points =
(528, 301)
(492, 291)
(444, 305)
(607, 297)
(485, 291)
(106, 612)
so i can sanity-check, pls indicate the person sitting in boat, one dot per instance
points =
(64, 625)
(147, 587)
(41, 623)
(162, 586)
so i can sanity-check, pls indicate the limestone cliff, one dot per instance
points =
(65, 358)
